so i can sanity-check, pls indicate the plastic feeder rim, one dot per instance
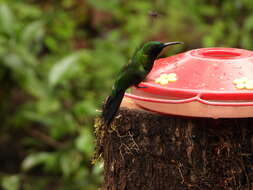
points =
(210, 82)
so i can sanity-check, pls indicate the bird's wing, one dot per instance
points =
(128, 77)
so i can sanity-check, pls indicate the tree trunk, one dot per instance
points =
(146, 151)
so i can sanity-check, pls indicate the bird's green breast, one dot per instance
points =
(133, 73)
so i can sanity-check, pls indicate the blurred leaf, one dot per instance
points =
(27, 10)
(34, 86)
(32, 34)
(109, 5)
(67, 3)
(70, 162)
(63, 123)
(11, 182)
(60, 68)
(98, 168)
(25, 55)
(51, 43)
(14, 62)
(36, 159)
(47, 105)
(86, 107)
(7, 23)
(62, 25)
(85, 142)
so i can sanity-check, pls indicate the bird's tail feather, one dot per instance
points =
(111, 107)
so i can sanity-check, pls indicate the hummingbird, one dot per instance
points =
(132, 74)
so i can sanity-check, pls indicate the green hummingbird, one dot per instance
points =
(132, 74)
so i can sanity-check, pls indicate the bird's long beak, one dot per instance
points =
(172, 43)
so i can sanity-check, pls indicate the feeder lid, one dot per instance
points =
(213, 73)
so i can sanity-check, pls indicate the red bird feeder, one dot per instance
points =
(207, 82)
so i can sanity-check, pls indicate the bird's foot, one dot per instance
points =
(137, 86)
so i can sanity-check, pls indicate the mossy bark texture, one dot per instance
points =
(147, 151)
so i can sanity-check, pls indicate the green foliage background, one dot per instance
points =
(57, 64)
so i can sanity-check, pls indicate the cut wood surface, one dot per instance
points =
(147, 151)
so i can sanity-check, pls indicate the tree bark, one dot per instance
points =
(147, 151)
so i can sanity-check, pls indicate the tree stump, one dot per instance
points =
(147, 151)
